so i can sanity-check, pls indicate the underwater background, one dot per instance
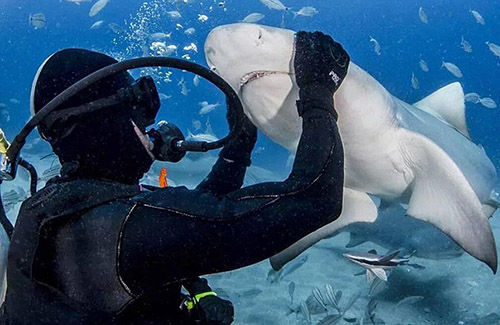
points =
(457, 291)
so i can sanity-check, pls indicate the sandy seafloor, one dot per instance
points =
(455, 291)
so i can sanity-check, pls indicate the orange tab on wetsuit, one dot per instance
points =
(163, 178)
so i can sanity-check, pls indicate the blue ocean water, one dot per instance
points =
(403, 38)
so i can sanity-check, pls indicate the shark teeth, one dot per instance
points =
(254, 75)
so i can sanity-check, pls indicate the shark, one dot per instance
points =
(418, 154)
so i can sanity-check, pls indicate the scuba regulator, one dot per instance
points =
(169, 143)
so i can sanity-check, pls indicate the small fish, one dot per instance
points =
(477, 15)
(331, 297)
(488, 102)
(196, 125)
(191, 47)
(14, 101)
(202, 18)
(318, 296)
(303, 307)
(162, 178)
(202, 137)
(12, 197)
(466, 45)
(117, 29)
(409, 301)
(178, 26)
(414, 81)
(376, 265)
(186, 57)
(5, 115)
(174, 14)
(472, 98)
(376, 47)
(162, 96)
(291, 290)
(77, 2)
(207, 108)
(274, 4)
(495, 49)
(97, 24)
(37, 20)
(190, 31)
(422, 15)
(289, 269)
(196, 80)
(253, 18)
(250, 293)
(306, 12)
(453, 69)
(97, 7)
(423, 66)
(159, 36)
(51, 172)
(330, 320)
(184, 88)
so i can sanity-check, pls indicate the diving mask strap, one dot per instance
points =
(64, 114)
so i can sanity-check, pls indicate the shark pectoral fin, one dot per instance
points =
(357, 207)
(369, 276)
(355, 239)
(448, 104)
(379, 273)
(442, 196)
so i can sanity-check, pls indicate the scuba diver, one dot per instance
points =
(95, 247)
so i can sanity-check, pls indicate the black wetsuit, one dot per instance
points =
(94, 251)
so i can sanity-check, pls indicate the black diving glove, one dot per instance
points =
(215, 311)
(205, 306)
(240, 149)
(320, 67)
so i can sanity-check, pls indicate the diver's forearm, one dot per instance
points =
(226, 176)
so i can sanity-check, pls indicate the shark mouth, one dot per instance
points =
(255, 75)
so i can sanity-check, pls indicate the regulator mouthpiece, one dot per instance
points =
(165, 142)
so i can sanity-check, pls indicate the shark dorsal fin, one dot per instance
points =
(448, 104)
(389, 257)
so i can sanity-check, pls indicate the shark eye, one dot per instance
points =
(260, 34)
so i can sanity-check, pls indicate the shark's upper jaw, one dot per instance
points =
(239, 52)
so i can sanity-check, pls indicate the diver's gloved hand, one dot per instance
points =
(210, 308)
(240, 149)
(215, 311)
(320, 67)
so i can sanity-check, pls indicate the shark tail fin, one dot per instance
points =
(447, 104)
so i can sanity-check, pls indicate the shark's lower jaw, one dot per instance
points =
(256, 75)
